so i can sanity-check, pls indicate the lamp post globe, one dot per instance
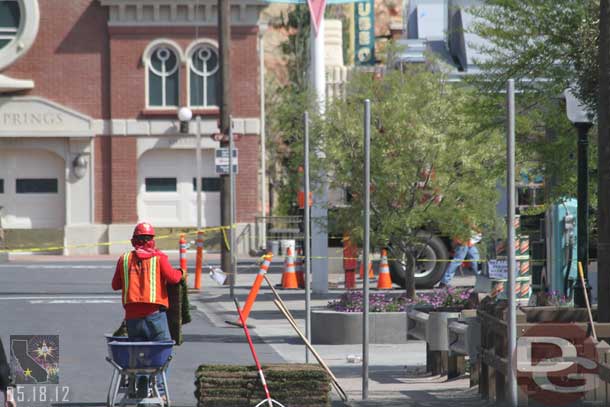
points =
(184, 115)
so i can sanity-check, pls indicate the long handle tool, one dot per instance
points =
(284, 310)
(268, 400)
(584, 288)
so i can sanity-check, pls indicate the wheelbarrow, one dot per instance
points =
(122, 381)
(136, 359)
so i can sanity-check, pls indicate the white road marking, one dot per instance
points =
(58, 266)
(75, 301)
(59, 297)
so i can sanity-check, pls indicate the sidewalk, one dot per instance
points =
(396, 371)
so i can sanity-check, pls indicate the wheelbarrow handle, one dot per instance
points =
(113, 363)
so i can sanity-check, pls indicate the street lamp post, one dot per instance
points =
(580, 117)
(185, 115)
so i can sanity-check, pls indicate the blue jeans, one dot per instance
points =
(462, 253)
(153, 328)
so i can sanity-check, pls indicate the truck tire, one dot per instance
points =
(428, 272)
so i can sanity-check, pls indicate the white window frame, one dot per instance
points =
(146, 58)
(25, 34)
(188, 56)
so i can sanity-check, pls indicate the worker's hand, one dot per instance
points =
(184, 273)
(10, 399)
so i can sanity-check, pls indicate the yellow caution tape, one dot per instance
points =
(86, 245)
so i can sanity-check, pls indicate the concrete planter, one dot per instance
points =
(436, 333)
(339, 328)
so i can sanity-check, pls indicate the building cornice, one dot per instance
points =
(179, 12)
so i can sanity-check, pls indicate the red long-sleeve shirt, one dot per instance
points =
(142, 309)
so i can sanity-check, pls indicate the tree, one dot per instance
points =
(546, 46)
(433, 166)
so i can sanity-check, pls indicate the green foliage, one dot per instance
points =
(296, 48)
(285, 105)
(425, 132)
(529, 40)
(546, 46)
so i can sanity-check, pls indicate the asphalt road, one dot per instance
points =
(75, 301)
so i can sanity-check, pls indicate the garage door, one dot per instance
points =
(167, 195)
(32, 189)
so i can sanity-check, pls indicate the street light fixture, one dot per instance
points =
(185, 115)
(581, 118)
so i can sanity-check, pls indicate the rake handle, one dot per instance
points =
(284, 310)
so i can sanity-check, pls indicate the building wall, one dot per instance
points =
(94, 71)
(69, 59)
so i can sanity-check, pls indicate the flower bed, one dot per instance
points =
(451, 299)
(341, 322)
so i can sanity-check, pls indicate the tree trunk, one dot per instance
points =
(410, 274)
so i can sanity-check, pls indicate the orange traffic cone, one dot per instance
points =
(289, 277)
(371, 273)
(300, 268)
(385, 281)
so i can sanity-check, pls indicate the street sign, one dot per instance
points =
(497, 269)
(364, 15)
(221, 161)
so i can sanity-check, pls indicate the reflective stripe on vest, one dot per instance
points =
(125, 276)
(153, 279)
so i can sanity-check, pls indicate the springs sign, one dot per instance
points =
(364, 19)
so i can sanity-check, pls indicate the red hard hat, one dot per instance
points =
(144, 228)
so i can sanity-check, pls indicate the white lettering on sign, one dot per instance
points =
(364, 24)
(364, 9)
(364, 37)
(15, 119)
(364, 54)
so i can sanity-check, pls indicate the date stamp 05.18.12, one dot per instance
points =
(35, 367)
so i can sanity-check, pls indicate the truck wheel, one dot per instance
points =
(432, 256)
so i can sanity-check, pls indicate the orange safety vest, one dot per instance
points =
(142, 281)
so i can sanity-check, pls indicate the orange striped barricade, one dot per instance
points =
(183, 262)
(199, 260)
(254, 290)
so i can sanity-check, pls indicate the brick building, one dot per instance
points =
(89, 136)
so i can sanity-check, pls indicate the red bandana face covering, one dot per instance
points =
(144, 250)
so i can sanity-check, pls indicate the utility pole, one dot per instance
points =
(603, 182)
(224, 42)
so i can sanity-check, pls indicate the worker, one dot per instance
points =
(5, 379)
(463, 251)
(143, 275)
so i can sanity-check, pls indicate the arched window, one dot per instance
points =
(162, 63)
(10, 18)
(204, 75)
(19, 20)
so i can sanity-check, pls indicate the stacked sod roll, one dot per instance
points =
(293, 385)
